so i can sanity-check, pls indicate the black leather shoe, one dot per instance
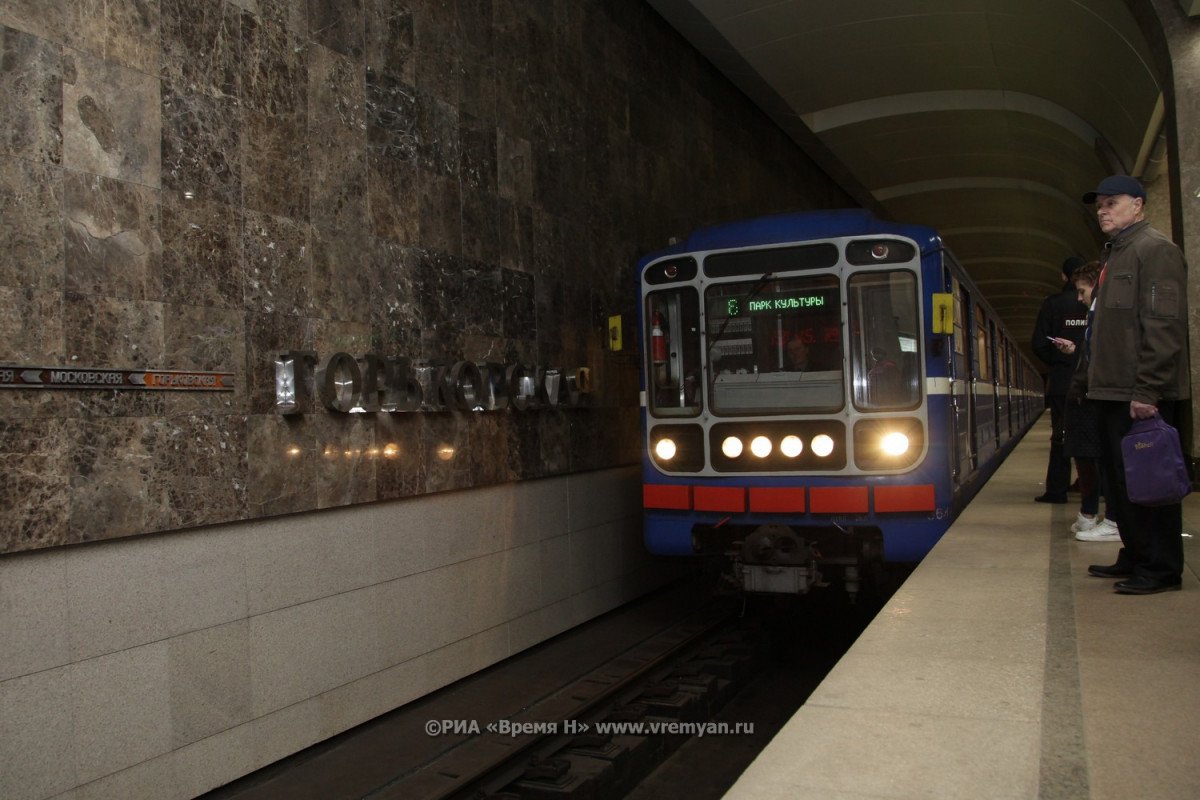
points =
(1112, 571)
(1058, 499)
(1143, 585)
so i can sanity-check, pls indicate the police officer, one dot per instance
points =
(1062, 316)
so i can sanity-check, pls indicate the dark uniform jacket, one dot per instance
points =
(1139, 341)
(1064, 317)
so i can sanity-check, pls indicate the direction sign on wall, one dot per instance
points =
(20, 377)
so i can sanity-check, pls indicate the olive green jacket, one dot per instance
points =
(1139, 337)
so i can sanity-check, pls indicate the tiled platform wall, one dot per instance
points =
(160, 667)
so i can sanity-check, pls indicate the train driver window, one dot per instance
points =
(884, 347)
(673, 352)
(775, 346)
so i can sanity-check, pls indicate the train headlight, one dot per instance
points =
(791, 446)
(894, 443)
(760, 446)
(888, 444)
(822, 444)
(731, 447)
(665, 449)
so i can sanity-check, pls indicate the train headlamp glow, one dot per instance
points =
(791, 446)
(894, 444)
(822, 444)
(731, 447)
(665, 449)
(879, 251)
(760, 446)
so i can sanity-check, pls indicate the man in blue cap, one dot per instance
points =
(1062, 316)
(1138, 368)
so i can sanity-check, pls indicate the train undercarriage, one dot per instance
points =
(785, 560)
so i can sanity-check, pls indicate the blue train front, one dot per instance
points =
(812, 398)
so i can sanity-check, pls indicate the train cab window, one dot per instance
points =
(983, 349)
(884, 345)
(775, 346)
(673, 345)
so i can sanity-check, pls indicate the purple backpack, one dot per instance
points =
(1155, 474)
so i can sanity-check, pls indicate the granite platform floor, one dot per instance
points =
(1000, 669)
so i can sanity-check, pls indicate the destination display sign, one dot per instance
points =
(780, 303)
(159, 380)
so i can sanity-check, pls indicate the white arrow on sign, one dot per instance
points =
(31, 375)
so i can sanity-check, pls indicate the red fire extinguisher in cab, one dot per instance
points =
(658, 351)
(658, 342)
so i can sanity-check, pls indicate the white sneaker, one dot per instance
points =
(1106, 531)
(1083, 523)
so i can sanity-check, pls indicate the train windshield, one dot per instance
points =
(775, 346)
(884, 345)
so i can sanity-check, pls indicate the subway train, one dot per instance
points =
(822, 393)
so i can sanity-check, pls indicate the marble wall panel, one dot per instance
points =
(201, 47)
(276, 174)
(112, 332)
(272, 441)
(401, 459)
(477, 85)
(446, 440)
(122, 31)
(438, 145)
(121, 478)
(439, 208)
(346, 469)
(388, 39)
(438, 50)
(201, 253)
(43, 18)
(341, 283)
(277, 260)
(35, 457)
(31, 71)
(481, 219)
(201, 145)
(338, 25)
(204, 459)
(112, 242)
(32, 330)
(514, 164)
(396, 318)
(274, 77)
(31, 224)
(112, 120)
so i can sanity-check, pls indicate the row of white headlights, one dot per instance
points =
(892, 444)
(790, 446)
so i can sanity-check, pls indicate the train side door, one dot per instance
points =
(983, 394)
(960, 382)
(1001, 342)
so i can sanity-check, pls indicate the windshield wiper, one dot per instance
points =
(758, 287)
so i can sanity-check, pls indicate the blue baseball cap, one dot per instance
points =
(1116, 184)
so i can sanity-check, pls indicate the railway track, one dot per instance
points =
(564, 745)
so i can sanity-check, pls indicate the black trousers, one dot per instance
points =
(1151, 535)
(1058, 470)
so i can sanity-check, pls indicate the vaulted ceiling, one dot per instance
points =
(986, 119)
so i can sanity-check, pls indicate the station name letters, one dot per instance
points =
(373, 383)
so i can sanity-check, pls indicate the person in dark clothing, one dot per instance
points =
(1062, 317)
(1138, 368)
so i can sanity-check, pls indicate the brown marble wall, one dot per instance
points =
(190, 184)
